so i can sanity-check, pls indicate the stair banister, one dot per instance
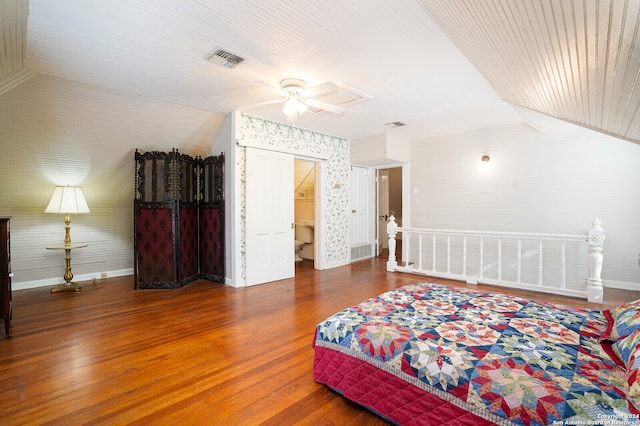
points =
(592, 285)
(595, 292)
(392, 229)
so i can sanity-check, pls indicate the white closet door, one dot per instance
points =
(360, 206)
(269, 216)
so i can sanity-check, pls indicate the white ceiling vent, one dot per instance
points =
(224, 58)
(394, 124)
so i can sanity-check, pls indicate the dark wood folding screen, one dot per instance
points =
(178, 219)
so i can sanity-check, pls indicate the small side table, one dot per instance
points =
(68, 275)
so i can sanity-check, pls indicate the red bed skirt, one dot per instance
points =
(386, 394)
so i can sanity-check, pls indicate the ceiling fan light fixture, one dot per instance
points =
(294, 106)
(290, 106)
(302, 107)
(297, 98)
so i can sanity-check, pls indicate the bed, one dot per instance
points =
(433, 354)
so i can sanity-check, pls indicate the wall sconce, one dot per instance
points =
(485, 165)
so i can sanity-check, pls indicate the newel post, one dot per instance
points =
(596, 238)
(392, 230)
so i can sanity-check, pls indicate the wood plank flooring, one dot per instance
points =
(206, 354)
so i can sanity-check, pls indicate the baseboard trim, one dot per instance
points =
(336, 264)
(76, 278)
(623, 285)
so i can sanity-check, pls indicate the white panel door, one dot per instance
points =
(360, 207)
(269, 216)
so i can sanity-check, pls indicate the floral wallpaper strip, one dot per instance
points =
(336, 174)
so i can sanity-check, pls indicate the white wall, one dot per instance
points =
(223, 143)
(58, 132)
(370, 150)
(383, 149)
(537, 182)
(108, 233)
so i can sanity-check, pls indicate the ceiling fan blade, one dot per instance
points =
(320, 89)
(314, 103)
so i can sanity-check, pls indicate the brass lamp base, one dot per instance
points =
(66, 287)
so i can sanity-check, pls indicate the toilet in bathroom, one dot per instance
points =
(303, 244)
(298, 249)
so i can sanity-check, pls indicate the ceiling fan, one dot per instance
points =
(298, 98)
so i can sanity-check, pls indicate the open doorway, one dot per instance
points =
(389, 203)
(304, 212)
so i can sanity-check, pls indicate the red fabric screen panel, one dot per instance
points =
(211, 243)
(188, 243)
(154, 244)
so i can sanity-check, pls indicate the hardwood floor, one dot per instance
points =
(205, 354)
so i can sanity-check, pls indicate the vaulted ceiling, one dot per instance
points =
(577, 60)
(439, 66)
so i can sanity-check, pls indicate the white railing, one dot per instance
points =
(567, 264)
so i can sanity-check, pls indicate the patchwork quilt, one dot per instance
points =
(433, 354)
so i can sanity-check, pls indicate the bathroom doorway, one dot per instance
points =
(304, 195)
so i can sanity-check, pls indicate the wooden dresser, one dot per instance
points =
(5, 273)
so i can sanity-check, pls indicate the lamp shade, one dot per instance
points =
(67, 199)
